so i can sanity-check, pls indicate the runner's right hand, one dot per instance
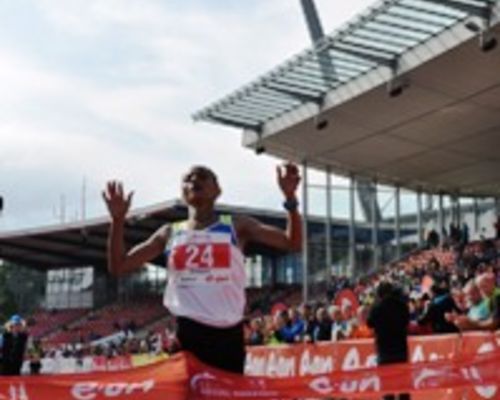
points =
(118, 204)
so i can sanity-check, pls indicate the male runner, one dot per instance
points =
(206, 277)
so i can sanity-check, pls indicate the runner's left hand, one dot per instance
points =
(288, 179)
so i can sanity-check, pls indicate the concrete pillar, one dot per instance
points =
(305, 233)
(420, 225)
(397, 220)
(375, 225)
(352, 225)
(328, 223)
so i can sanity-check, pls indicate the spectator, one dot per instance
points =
(413, 307)
(477, 306)
(35, 355)
(360, 329)
(433, 239)
(323, 328)
(256, 337)
(310, 322)
(279, 323)
(482, 235)
(489, 251)
(453, 232)
(441, 304)
(465, 233)
(338, 324)
(491, 294)
(349, 318)
(14, 342)
(496, 225)
(389, 319)
(444, 235)
(294, 330)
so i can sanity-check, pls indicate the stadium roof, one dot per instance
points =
(84, 243)
(437, 133)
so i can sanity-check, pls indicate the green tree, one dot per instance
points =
(21, 289)
(8, 305)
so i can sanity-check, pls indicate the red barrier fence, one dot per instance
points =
(291, 361)
(447, 367)
(325, 357)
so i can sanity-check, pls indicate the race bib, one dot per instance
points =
(200, 256)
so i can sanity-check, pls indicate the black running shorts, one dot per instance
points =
(222, 348)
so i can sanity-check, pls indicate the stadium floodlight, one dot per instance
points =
(259, 146)
(320, 121)
(260, 149)
(473, 26)
(487, 42)
(321, 124)
(396, 87)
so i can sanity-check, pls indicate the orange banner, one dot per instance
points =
(183, 377)
(165, 380)
(324, 357)
(480, 343)
(447, 367)
(423, 378)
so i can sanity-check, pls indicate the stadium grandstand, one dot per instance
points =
(67, 263)
(404, 102)
(60, 254)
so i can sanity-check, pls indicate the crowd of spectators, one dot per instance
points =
(111, 331)
(452, 285)
(151, 344)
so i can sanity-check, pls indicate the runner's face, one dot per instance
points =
(200, 187)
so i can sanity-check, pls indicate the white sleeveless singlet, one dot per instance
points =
(206, 274)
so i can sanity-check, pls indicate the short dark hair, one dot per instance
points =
(203, 170)
(385, 289)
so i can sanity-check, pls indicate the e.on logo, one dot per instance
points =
(486, 392)
(90, 390)
(15, 393)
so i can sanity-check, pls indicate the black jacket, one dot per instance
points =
(435, 314)
(389, 318)
(13, 352)
(323, 331)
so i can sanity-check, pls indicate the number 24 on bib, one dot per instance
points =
(200, 256)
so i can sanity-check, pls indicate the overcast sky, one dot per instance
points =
(102, 89)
